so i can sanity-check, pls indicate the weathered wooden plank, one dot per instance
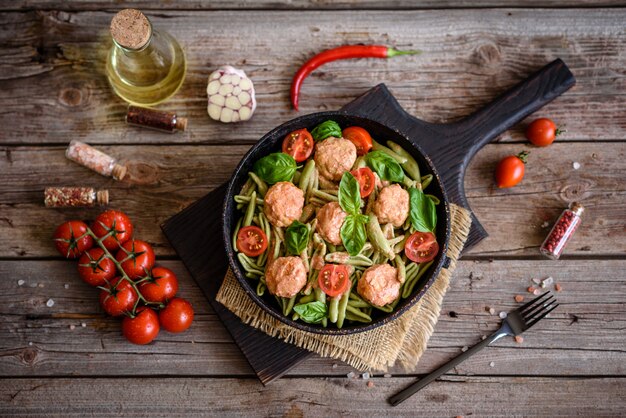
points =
(56, 60)
(297, 397)
(584, 337)
(175, 176)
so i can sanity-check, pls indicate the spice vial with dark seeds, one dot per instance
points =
(155, 119)
(562, 231)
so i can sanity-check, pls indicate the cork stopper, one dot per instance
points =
(119, 171)
(577, 208)
(181, 123)
(131, 29)
(102, 197)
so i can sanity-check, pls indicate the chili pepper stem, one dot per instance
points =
(392, 52)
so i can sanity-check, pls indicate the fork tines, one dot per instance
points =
(537, 308)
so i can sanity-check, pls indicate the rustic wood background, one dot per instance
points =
(52, 90)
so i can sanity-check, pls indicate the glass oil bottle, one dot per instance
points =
(144, 66)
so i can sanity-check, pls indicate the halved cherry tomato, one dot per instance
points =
(251, 241)
(366, 179)
(360, 138)
(421, 247)
(334, 279)
(299, 144)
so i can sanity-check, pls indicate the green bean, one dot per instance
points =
(358, 303)
(260, 288)
(277, 242)
(247, 188)
(345, 258)
(376, 257)
(357, 312)
(236, 232)
(407, 182)
(394, 241)
(321, 296)
(355, 296)
(307, 212)
(325, 196)
(317, 201)
(307, 298)
(370, 201)
(410, 166)
(408, 288)
(296, 177)
(359, 163)
(304, 256)
(426, 180)
(341, 311)
(412, 268)
(377, 238)
(246, 199)
(254, 276)
(355, 318)
(260, 184)
(248, 265)
(247, 220)
(387, 308)
(330, 191)
(399, 247)
(435, 199)
(307, 173)
(295, 316)
(387, 230)
(407, 223)
(379, 147)
(401, 268)
(315, 180)
(333, 309)
(289, 305)
(332, 248)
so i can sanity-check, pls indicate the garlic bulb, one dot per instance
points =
(231, 95)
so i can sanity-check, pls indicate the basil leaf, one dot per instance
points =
(296, 237)
(275, 167)
(422, 211)
(349, 194)
(385, 166)
(312, 312)
(326, 129)
(353, 233)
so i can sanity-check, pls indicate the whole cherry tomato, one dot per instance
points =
(143, 328)
(136, 258)
(117, 224)
(360, 138)
(421, 247)
(367, 180)
(251, 240)
(510, 170)
(95, 268)
(118, 297)
(177, 316)
(299, 144)
(333, 279)
(71, 239)
(542, 132)
(161, 285)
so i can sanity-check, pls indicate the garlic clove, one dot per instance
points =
(235, 79)
(214, 111)
(232, 103)
(217, 99)
(245, 113)
(226, 115)
(244, 98)
(213, 87)
(226, 89)
(245, 84)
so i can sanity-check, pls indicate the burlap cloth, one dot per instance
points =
(400, 342)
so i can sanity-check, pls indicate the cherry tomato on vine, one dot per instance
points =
(510, 170)
(136, 258)
(161, 286)
(360, 138)
(334, 279)
(177, 315)
(143, 328)
(116, 221)
(118, 297)
(542, 132)
(367, 180)
(251, 240)
(421, 247)
(299, 144)
(70, 239)
(95, 268)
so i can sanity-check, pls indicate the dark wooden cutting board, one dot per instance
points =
(196, 232)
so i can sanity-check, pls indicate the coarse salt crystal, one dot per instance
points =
(72, 327)
(492, 364)
(83, 324)
(387, 375)
(20, 282)
(66, 286)
(335, 365)
(40, 285)
(365, 376)
(50, 303)
(547, 281)
(30, 343)
(576, 165)
(492, 311)
(370, 384)
(484, 337)
(545, 224)
(465, 348)
(519, 339)
(519, 298)
(536, 292)
(350, 375)
(502, 314)
(536, 280)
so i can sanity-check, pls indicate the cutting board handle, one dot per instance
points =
(451, 146)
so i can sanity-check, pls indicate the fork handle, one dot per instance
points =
(413, 388)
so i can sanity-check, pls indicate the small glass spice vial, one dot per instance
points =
(562, 231)
(75, 197)
(155, 119)
(98, 161)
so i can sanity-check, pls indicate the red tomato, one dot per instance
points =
(334, 279)
(177, 315)
(118, 299)
(143, 328)
(510, 170)
(95, 268)
(360, 138)
(71, 240)
(136, 258)
(366, 179)
(115, 223)
(542, 132)
(161, 286)
(251, 241)
(421, 247)
(299, 144)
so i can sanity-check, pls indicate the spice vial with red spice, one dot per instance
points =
(68, 197)
(562, 231)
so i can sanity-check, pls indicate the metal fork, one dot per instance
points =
(515, 323)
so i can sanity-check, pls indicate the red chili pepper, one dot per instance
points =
(342, 52)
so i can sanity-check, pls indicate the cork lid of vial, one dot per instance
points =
(131, 29)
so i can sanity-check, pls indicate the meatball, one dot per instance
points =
(334, 156)
(283, 204)
(285, 276)
(392, 205)
(379, 284)
(329, 220)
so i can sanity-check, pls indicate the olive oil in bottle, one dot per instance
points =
(144, 66)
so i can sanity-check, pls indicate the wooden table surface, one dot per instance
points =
(52, 90)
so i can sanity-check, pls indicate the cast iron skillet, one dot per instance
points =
(272, 142)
